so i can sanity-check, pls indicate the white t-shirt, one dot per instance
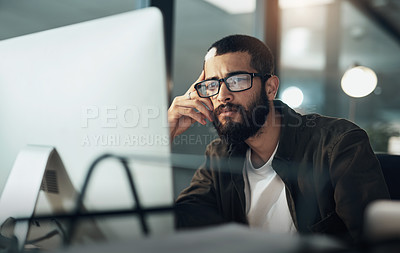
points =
(266, 203)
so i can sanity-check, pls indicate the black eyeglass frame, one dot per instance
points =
(252, 75)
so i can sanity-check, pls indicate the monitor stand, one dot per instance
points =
(38, 184)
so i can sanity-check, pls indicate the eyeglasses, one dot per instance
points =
(236, 82)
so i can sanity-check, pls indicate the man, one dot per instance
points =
(272, 167)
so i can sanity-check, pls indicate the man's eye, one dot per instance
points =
(238, 80)
(234, 80)
(212, 86)
(202, 86)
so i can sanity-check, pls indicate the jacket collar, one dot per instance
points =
(291, 122)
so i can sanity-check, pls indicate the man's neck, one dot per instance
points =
(264, 142)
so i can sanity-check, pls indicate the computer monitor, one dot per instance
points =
(88, 89)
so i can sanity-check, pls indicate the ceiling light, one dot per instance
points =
(359, 81)
(235, 6)
(293, 96)
(302, 3)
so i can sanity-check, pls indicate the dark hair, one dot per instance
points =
(262, 59)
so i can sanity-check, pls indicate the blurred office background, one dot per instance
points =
(315, 42)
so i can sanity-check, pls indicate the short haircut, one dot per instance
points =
(262, 59)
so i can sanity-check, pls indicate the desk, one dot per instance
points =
(230, 238)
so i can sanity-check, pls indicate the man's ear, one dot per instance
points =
(271, 87)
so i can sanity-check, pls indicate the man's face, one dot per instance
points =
(237, 115)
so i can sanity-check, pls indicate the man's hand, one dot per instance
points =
(187, 109)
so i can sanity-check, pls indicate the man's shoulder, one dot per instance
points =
(328, 131)
(313, 122)
(328, 124)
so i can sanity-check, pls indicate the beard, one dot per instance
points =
(251, 120)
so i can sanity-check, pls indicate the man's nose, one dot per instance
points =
(224, 94)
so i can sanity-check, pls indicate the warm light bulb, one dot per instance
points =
(359, 81)
(292, 96)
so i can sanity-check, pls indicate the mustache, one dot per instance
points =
(228, 106)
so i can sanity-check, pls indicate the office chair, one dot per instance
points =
(391, 171)
(382, 217)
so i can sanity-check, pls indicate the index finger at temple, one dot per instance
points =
(201, 77)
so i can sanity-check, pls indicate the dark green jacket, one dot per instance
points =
(327, 165)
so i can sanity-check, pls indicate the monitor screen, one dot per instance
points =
(88, 89)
